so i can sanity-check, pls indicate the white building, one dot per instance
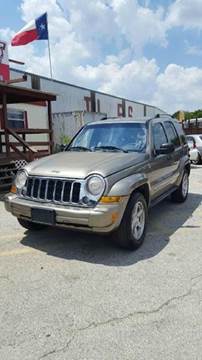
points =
(75, 106)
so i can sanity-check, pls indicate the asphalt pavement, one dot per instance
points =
(65, 295)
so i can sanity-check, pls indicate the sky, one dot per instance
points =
(143, 50)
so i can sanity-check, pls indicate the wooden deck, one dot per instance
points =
(17, 144)
(18, 147)
(13, 157)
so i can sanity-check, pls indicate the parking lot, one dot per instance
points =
(65, 295)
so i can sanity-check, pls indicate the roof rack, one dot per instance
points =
(159, 115)
(110, 117)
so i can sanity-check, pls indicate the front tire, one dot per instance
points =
(29, 225)
(180, 195)
(131, 232)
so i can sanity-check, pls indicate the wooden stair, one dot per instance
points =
(16, 152)
(7, 173)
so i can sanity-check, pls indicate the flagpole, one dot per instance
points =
(49, 53)
(50, 62)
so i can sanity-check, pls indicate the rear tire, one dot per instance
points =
(180, 195)
(131, 232)
(29, 225)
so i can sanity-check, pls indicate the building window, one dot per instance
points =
(35, 80)
(16, 119)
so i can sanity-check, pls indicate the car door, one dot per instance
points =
(198, 141)
(177, 154)
(161, 165)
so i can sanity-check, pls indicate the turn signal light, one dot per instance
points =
(111, 199)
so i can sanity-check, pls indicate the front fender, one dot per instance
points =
(126, 186)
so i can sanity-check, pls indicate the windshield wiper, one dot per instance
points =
(110, 148)
(79, 148)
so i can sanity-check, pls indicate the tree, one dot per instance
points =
(189, 114)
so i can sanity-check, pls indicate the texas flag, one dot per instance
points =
(35, 30)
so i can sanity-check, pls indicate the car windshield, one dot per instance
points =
(112, 137)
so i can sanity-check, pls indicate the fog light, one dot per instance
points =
(13, 189)
(86, 201)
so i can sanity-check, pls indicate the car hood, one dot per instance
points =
(81, 164)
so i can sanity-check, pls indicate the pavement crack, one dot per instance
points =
(128, 316)
(196, 277)
(55, 351)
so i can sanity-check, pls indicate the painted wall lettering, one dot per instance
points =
(98, 105)
(120, 110)
(130, 111)
(87, 100)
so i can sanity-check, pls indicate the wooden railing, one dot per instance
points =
(15, 142)
(192, 127)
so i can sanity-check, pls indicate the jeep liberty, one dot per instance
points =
(106, 179)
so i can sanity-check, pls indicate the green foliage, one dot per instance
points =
(190, 114)
(65, 139)
(194, 114)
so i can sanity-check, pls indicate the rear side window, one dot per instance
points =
(181, 134)
(159, 136)
(172, 135)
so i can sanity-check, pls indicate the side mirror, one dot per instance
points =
(165, 149)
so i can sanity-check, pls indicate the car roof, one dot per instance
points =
(143, 120)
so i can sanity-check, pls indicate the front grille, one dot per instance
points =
(52, 190)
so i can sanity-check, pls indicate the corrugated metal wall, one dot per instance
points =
(74, 98)
(75, 103)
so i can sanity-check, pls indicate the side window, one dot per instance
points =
(181, 134)
(159, 136)
(173, 137)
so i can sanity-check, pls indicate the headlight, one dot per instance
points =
(95, 185)
(20, 179)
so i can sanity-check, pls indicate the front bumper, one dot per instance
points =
(101, 219)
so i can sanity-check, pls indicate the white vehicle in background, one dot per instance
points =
(195, 147)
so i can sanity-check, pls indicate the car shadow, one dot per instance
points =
(164, 220)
